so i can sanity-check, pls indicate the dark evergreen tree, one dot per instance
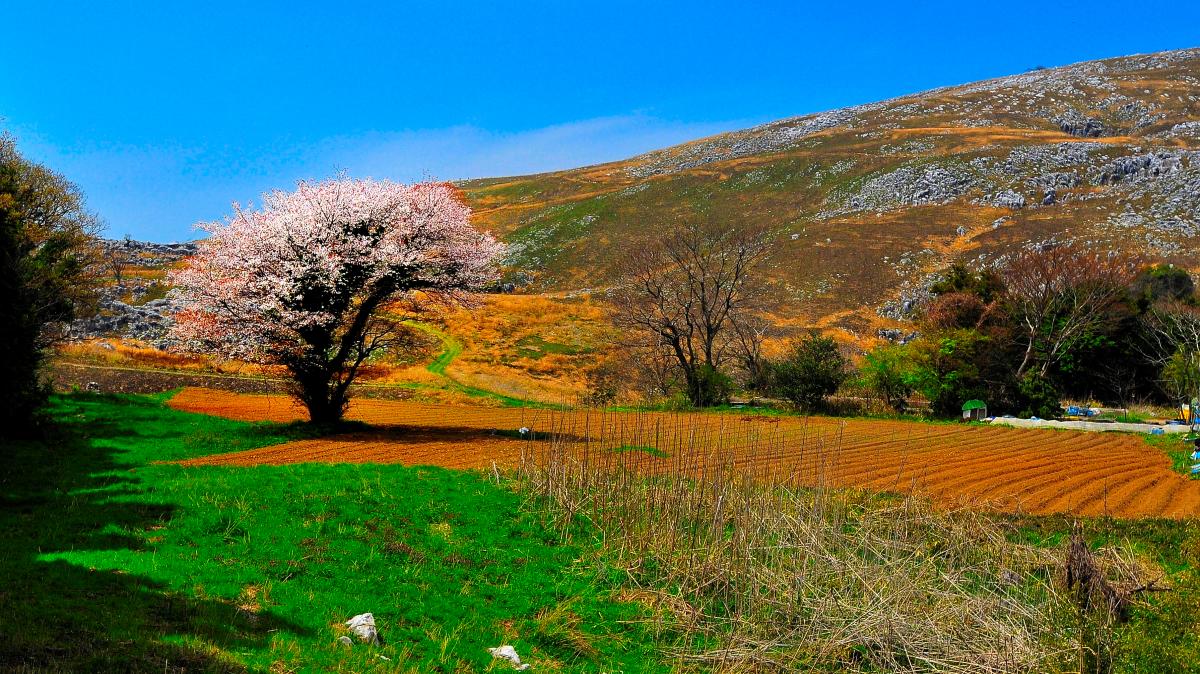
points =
(48, 267)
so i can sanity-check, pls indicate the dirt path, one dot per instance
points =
(1009, 469)
(452, 348)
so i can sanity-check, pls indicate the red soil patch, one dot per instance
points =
(1010, 469)
(411, 446)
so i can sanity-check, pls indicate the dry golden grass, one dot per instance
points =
(530, 346)
(756, 575)
(134, 354)
(527, 347)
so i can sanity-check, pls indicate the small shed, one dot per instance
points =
(974, 410)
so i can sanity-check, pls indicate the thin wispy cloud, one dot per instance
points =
(469, 152)
(160, 192)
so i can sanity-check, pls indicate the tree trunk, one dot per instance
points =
(1025, 361)
(323, 411)
(692, 380)
(325, 402)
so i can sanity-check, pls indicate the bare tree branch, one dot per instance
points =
(688, 291)
(1059, 294)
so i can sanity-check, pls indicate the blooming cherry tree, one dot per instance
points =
(301, 282)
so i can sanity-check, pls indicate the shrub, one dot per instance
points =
(887, 371)
(1163, 282)
(958, 310)
(712, 387)
(946, 369)
(1181, 375)
(812, 369)
(1039, 397)
(985, 284)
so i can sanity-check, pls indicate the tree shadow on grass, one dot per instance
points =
(72, 492)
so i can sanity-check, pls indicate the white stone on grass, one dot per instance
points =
(509, 653)
(363, 626)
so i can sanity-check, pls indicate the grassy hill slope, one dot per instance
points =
(866, 202)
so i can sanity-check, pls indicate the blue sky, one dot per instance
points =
(166, 114)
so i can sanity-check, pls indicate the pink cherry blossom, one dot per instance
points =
(301, 281)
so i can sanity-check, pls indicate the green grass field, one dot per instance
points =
(1178, 448)
(117, 560)
(114, 562)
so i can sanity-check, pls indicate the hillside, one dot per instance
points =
(867, 202)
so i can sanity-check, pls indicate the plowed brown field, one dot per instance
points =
(1019, 470)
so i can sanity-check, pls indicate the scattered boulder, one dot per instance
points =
(1057, 180)
(896, 336)
(1076, 124)
(363, 626)
(148, 322)
(1050, 197)
(1131, 167)
(905, 307)
(770, 137)
(1133, 113)
(937, 185)
(130, 252)
(1189, 129)
(509, 653)
(910, 185)
(1009, 199)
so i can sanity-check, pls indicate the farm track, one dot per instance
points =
(1009, 469)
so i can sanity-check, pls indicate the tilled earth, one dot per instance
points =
(1015, 470)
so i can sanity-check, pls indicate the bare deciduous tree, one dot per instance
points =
(1058, 294)
(686, 292)
(116, 258)
(656, 373)
(749, 332)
